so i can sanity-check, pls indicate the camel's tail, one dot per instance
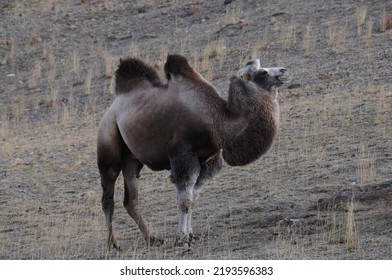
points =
(131, 72)
(178, 65)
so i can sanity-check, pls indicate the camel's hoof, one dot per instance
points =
(155, 241)
(193, 238)
(184, 240)
(112, 243)
(117, 248)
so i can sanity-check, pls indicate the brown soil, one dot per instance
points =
(324, 191)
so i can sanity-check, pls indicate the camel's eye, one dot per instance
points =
(263, 73)
(260, 77)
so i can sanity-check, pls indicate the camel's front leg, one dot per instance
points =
(185, 199)
(208, 170)
(185, 169)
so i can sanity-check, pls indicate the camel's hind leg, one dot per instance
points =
(109, 167)
(108, 207)
(131, 168)
(109, 146)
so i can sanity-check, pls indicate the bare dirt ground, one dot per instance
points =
(324, 191)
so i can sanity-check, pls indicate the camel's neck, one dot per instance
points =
(252, 129)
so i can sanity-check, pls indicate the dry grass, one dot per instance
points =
(35, 75)
(308, 39)
(361, 18)
(385, 22)
(335, 134)
(109, 62)
(75, 59)
(351, 228)
(337, 38)
(288, 37)
(369, 34)
(365, 168)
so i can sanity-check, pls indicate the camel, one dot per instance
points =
(183, 126)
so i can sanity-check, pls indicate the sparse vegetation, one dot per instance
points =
(385, 21)
(361, 18)
(336, 37)
(57, 61)
(308, 39)
(351, 228)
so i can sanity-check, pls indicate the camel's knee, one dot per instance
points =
(109, 163)
(109, 171)
(132, 207)
(185, 199)
(186, 205)
(131, 197)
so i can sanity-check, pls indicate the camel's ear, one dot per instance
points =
(254, 65)
(250, 68)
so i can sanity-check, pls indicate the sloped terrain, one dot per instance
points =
(324, 191)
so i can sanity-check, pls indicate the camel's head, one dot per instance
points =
(266, 78)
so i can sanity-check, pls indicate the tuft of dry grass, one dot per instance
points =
(75, 58)
(53, 97)
(361, 15)
(308, 39)
(337, 38)
(88, 81)
(288, 37)
(5, 128)
(369, 34)
(35, 75)
(382, 121)
(385, 22)
(109, 63)
(365, 165)
(351, 229)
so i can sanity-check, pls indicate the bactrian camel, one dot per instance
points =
(183, 126)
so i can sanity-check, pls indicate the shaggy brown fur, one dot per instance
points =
(131, 72)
